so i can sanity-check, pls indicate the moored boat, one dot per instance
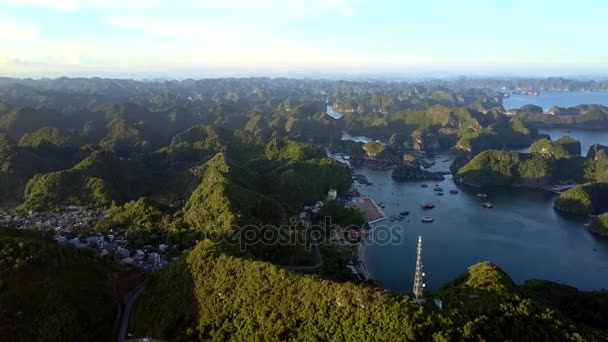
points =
(427, 205)
(427, 219)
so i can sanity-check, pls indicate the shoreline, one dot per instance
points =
(363, 205)
(556, 189)
(360, 253)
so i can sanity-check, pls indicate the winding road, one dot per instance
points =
(127, 311)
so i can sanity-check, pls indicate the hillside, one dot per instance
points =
(548, 163)
(96, 181)
(587, 199)
(51, 293)
(212, 295)
(228, 197)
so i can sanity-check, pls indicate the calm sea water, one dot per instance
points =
(548, 99)
(587, 138)
(522, 234)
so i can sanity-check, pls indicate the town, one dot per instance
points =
(74, 226)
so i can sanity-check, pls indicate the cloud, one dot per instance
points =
(59, 5)
(280, 8)
(16, 32)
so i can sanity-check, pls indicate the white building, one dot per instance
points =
(332, 194)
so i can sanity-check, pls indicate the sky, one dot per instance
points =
(211, 38)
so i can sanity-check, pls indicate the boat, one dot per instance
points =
(482, 195)
(488, 205)
(404, 213)
(438, 188)
(427, 219)
(439, 193)
(424, 186)
(427, 206)
(453, 192)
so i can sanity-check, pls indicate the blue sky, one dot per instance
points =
(198, 38)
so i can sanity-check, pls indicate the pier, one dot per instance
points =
(370, 210)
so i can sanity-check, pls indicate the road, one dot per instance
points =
(313, 268)
(127, 311)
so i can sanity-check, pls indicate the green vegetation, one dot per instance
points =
(564, 147)
(410, 160)
(584, 199)
(547, 163)
(303, 182)
(180, 161)
(57, 149)
(146, 223)
(51, 293)
(596, 170)
(570, 145)
(210, 295)
(124, 139)
(49, 137)
(535, 170)
(96, 181)
(52, 190)
(200, 143)
(16, 166)
(599, 225)
(378, 151)
(262, 302)
(478, 141)
(228, 198)
(490, 168)
(582, 116)
(19, 121)
(341, 215)
(598, 152)
(287, 149)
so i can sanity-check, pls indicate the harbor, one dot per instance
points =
(470, 225)
(370, 210)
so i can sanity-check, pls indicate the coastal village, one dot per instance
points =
(73, 226)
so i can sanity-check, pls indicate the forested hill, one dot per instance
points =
(164, 174)
(153, 133)
(51, 293)
(551, 83)
(210, 295)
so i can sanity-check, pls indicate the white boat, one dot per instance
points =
(488, 205)
(482, 195)
(427, 219)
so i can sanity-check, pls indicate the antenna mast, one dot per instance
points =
(419, 276)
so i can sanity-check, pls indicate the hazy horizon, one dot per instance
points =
(308, 38)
